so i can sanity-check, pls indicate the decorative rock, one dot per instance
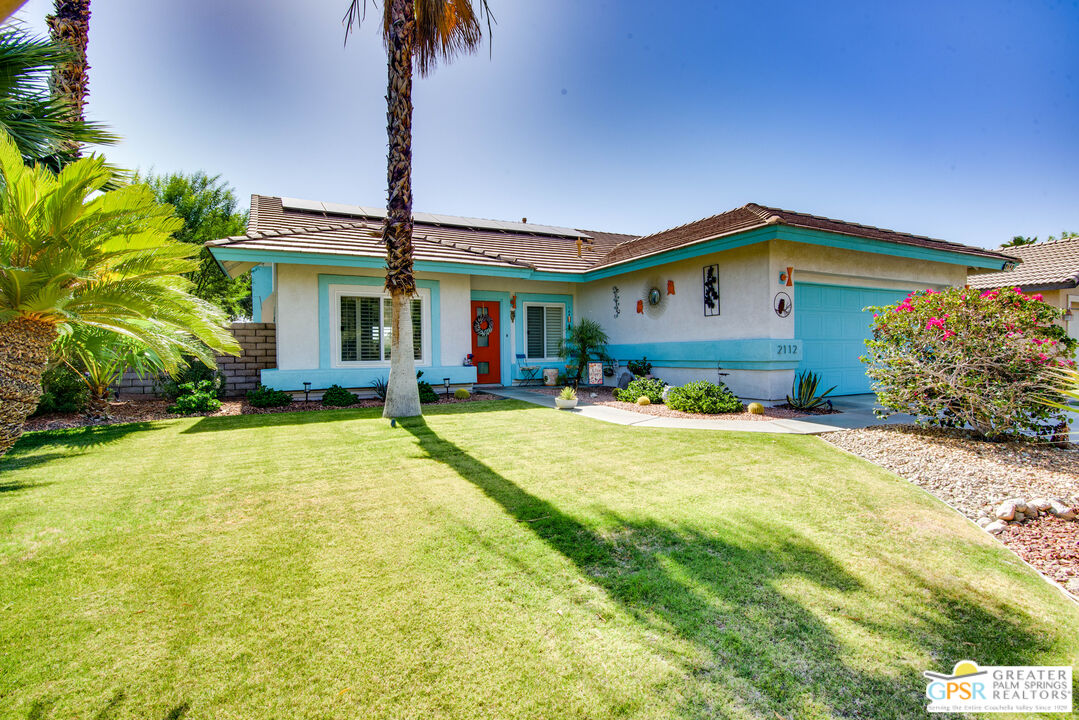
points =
(624, 379)
(983, 521)
(643, 400)
(1006, 510)
(1019, 517)
(1039, 504)
(996, 528)
(1062, 511)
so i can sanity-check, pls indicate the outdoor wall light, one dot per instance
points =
(446, 382)
(306, 391)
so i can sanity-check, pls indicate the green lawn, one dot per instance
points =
(496, 560)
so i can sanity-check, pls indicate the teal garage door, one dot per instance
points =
(829, 321)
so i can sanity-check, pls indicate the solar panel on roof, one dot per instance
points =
(449, 220)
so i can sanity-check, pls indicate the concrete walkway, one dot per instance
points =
(857, 412)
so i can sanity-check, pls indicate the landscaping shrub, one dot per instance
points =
(703, 397)
(650, 388)
(462, 394)
(803, 395)
(63, 391)
(193, 372)
(427, 393)
(264, 397)
(337, 396)
(988, 359)
(195, 397)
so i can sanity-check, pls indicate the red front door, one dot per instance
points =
(485, 345)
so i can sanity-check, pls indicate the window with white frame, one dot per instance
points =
(363, 320)
(544, 329)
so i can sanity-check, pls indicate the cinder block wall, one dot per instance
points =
(258, 343)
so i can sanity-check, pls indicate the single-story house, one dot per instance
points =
(1050, 268)
(756, 293)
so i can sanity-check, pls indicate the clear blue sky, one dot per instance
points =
(947, 118)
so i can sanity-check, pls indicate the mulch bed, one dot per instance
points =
(974, 476)
(127, 410)
(605, 396)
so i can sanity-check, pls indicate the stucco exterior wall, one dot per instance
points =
(836, 266)
(748, 341)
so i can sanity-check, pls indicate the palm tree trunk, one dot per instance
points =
(402, 392)
(24, 354)
(70, 26)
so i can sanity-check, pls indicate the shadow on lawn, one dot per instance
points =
(758, 647)
(22, 455)
(305, 417)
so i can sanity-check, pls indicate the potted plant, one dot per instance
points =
(566, 399)
(640, 368)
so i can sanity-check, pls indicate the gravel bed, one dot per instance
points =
(605, 396)
(128, 410)
(1049, 544)
(975, 477)
(970, 475)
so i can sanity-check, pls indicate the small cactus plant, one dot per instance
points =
(755, 409)
(462, 394)
(643, 400)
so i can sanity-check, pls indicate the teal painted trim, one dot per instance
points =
(261, 288)
(707, 247)
(293, 380)
(559, 365)
(324, 282)
(519, 330)
(505, 355)
(748, 354)
(880, 247)
(354, 261)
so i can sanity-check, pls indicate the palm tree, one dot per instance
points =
(1020, 241)
(424, 32)
(40, 124)
(72, 255)
(585, 341)
(70, 29)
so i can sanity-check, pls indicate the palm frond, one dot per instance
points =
(444, 28)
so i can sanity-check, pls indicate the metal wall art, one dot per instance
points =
(711, 290)
(617, 307)
(782, 304)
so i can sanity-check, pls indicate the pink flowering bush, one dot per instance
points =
(966, 357)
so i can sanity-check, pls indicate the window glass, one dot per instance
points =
(534, 330)
(366, 328)
(543, 330)
(417, 326)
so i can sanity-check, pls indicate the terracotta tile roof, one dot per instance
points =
(753, 216)
(533, 246)
(310, 227)
(1045, 266)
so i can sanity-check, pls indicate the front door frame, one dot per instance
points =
(505, 329)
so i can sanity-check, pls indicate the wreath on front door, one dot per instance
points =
(482, 325)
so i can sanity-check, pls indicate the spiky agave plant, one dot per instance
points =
(423, 32)
(804, 392)
(72, 255)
